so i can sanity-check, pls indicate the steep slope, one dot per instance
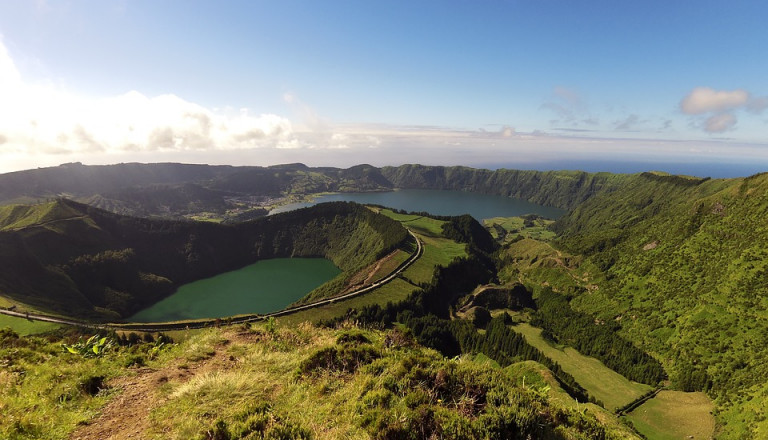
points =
(561, 189)
(174, 189)
(682, 265)
(162, 200)
(72, 258)
(77, 179)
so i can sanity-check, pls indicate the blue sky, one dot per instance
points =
(512, 83)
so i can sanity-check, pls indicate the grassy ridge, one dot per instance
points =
(302, 382)
(71, 258)
(14, 217)
(561, 189)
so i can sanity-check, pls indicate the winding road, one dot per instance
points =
(197, 324)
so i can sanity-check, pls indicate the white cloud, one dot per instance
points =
(720, 123)
(9, 75)
(507, 131)
(703, 100)
(39, 120)
(305, 113)
(568, 95)
(717, 109)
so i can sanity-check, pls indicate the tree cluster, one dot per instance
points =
(595, 338)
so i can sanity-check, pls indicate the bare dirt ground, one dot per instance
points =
(126, 417)
(376, 269)
(368, 274)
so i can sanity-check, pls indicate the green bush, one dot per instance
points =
(257, 422)
(345, 359)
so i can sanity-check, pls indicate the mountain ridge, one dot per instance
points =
(676, 264)
(169, 189)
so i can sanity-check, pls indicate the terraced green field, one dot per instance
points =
(438, 251)
(514, 226)
(613, 389)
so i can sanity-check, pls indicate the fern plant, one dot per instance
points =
(92, 347)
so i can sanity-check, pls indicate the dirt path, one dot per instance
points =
(126, 417)
(372, 273)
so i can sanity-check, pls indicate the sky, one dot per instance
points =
(596, 85)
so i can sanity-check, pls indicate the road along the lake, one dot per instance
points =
(197, 324)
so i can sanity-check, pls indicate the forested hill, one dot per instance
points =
(72, 258)
(78, 179)
(561, 189)
(682, 265)
(170, 190)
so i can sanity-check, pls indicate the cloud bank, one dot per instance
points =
(40, 119)
(720, 106)
(45, 125)
(705, 100)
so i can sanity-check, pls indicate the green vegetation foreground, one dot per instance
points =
(271, 382)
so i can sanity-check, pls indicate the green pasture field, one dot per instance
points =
(516, 226)
(26, 327)
(675, 415)
(417, 223)
(394, 291)
(604, 384)
(438, 251)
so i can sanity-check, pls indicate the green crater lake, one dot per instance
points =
(263, 287)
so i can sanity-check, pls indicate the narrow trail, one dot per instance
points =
(127, 416)
(372, 273)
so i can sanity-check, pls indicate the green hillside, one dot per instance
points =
(662, 279)
(561, 189)
(15, 217)
(680, 263)
(220, 192)
(278, 383)
(70, 258)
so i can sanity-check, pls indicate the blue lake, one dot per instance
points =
(438, 202)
